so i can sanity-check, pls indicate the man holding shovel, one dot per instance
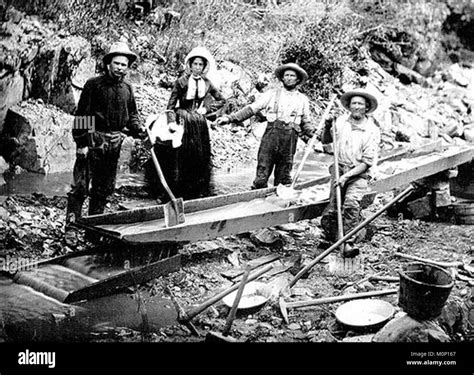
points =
(357, 141)
(288, 115)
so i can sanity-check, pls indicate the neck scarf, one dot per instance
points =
(196, 87)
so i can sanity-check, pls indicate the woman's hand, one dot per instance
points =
(201, 110)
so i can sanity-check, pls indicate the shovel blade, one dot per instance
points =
(339, 265)
(174, 212)
(286, 192)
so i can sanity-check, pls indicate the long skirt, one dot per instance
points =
(187, 169)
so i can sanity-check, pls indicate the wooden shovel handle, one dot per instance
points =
(161, 176)
(235, 305)
(335, 149)
(190, 314)
(311, 143)
(399, 197)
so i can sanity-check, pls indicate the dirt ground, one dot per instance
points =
(32, 228)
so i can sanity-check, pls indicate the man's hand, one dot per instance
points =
(318, 147)
(343, 180)
(82, 151)
(223, 120)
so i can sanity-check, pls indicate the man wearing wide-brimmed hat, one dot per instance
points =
(288, 115)
(357, 139)
(105, 110)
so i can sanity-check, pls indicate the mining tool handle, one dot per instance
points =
(399, 197)
(235, 305)
(190, 314)
(311, 143)
(158, 167)
(337, 187)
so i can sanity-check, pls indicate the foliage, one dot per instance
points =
(324, 51)
(323, 36)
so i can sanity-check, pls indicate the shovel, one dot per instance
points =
(173, 210)
(288, 192)
(340, 227)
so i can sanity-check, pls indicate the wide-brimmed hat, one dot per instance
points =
(120, 48)
(198, 52)
(372, 102)
(303, 76)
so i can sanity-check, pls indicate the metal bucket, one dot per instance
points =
(424, 290)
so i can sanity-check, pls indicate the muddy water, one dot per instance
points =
(224, 181)
(28, 315)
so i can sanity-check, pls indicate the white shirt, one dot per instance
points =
(292, 106)
(357, 143)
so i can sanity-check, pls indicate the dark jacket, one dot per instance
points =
(112, 105)
(178, 98)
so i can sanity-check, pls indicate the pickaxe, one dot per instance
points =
(284, 306)
(185, 317)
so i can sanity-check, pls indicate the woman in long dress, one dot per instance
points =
(188, 168)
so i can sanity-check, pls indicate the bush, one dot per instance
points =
(325, 50)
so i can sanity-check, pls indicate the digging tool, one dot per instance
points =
(340, 228)
(187, 316)
(218, 337)
(173, 210)
(399, 197)
(284, 306)
(180, 311)
(287, 192)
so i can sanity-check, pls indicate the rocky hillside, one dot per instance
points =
(47, 56)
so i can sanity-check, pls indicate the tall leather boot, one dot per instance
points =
(97, 206)
(73, 209)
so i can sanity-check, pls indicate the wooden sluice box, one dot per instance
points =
(141, 247)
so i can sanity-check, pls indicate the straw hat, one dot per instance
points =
(120, 48)
(372, 102)
(198, 52)
(303, 76)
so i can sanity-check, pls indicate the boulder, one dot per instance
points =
(11, 87)
(38, 138)
(406, 329)
(468, 133)
(61, 68)
(231, 77)
(3, 167)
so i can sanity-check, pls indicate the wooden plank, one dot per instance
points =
(195, 205)
(126, 279)
(221, 228)
(448, 159)
(203, 227)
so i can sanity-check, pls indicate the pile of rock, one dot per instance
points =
(38, 138)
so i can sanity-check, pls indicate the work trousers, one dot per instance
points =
(351, 197)
(277, 150)
(94, 175)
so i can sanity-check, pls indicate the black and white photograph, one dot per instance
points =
(199, 184)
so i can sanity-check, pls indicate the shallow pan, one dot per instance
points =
(255, 294)
(364, 312)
